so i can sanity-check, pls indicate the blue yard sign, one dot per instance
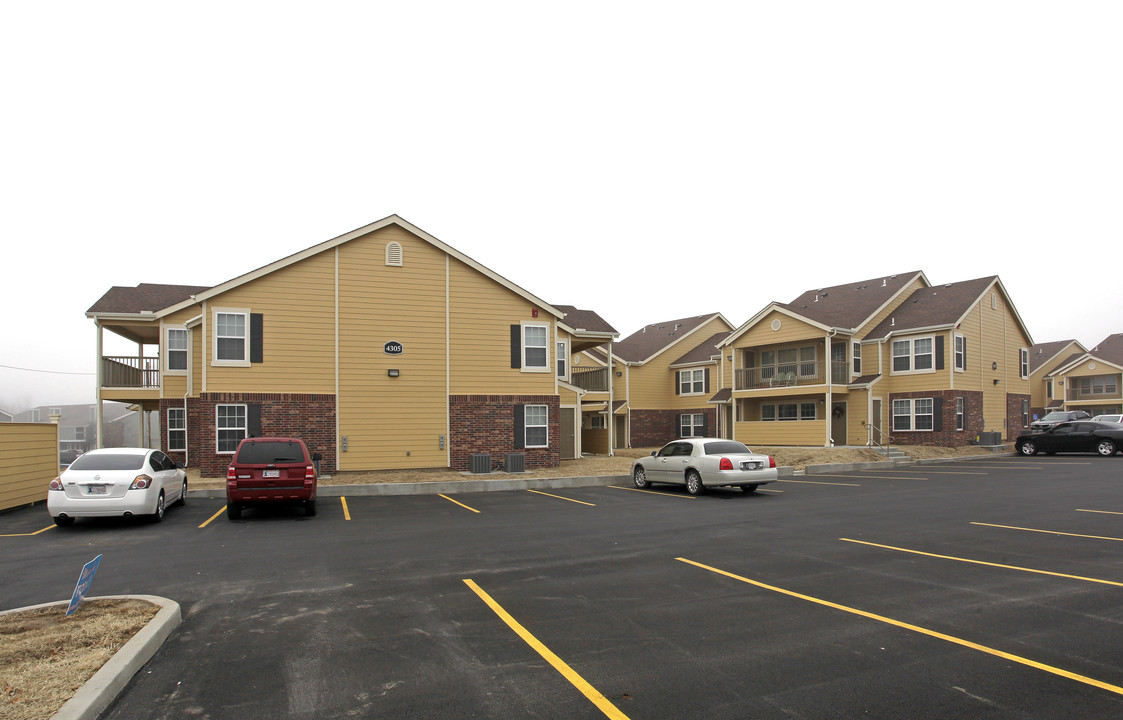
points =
(83, 585)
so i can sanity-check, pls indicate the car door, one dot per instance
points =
(1083, 437)
(163, 472)
(1056, 439)
(678, 462)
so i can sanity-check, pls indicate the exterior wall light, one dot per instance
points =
(392, 372)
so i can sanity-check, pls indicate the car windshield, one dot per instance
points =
(108, 461)
(269, 453)
(726, 447)
(1055, 417)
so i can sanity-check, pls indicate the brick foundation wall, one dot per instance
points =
(655, 428)
(306, 416)
(948, 436)
(486, 424)
(1014, 426)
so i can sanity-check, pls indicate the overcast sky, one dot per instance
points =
(648, 161)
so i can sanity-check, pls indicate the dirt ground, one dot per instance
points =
(44, 658)
(619, 464)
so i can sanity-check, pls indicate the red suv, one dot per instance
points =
(273, 469)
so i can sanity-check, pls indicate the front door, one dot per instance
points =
(838, 423)
(876, 435)
(568, 433)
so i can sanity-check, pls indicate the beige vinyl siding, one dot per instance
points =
(914, 381)
(792, 331)
(28, 462)
(802, 433)
(298, 307)
(481, 314)
(652, 386)
(1040, 398)
(1085, 369)
(391, 422)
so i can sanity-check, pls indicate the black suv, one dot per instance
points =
(1058, 416)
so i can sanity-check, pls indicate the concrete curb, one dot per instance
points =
(505, 481)
(104, 686)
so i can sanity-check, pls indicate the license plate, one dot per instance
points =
(271, 473)
(95, 489)
(751, 466)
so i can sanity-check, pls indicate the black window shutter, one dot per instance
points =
(939, 352)
(257, 335)
(707, 388)
(520, 427)
(964, 352)
(678, 382)
(678, 426)
(938, 413)
(253, 421)
(516, 346)
(706, 421)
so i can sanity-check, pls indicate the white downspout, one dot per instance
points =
(100, 382)
(611, 403)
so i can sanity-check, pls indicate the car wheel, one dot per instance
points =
(159, 514)
(182, 493)
(63, 521)
(694, 484)
(1027, 447)
(749, 489)
(1105, 448)
(310, 508)
(639, 477)
(233, 510)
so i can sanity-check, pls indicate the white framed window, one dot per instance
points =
(1097, 385)
(767, 412)
(960, 414)
(807, 410)
(597, 422)
(536, 348)
(230, 427)
(913, 355)
(1025, 413)
(231, 337)
(177, 429)
(691, 425)
(692, 382)
(536, 426)
(563, 358)
(856, 354)
(807, 361)
(1023, 363)
(914, 414)
(79, 433)
(788, 411)
(176, 351)
(960, 363)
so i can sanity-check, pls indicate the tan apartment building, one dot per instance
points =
(1079, 379)
(383, 348)
(1044, 358)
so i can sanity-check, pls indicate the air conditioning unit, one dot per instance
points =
(514, 462)
(480, 463)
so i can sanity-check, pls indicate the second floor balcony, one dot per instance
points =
(130, 372)
(591, 379)
(792, 375)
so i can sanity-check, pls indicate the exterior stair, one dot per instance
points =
(893, 454)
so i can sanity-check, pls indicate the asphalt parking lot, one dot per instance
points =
(984, 588)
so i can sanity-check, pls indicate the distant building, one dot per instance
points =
(77, 430)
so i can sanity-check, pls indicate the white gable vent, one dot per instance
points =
(394, 254)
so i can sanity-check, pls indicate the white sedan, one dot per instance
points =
(117, 482)
(699, 463)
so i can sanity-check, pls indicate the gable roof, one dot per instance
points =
(704, 351)
(584, 320)
(849, 306)
(1109, 350)
(144, 298)
(1042, 353)
(651, 340)
(204, 294)
(935, 306)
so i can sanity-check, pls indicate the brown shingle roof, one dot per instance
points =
(933, 306)
(847, 306)
(704, 351)
(650, 339)
(1110, 349)
(584, 320)
(144, 297)
(1042, 353)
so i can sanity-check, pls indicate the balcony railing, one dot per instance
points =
(593, 379)
(130, 372)
(792, 375)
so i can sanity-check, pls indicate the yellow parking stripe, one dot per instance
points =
(652, 492)
(49, 527)
(1104, 512)
(947, 472)
(603, 704)
(559, 497)
(812, 482)
(1049, 532)
(212, 517)
(983, 562)
(923, 631)
(346, 512)
(446, 497)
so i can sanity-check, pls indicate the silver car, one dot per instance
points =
(699, 463)
(117, 482)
